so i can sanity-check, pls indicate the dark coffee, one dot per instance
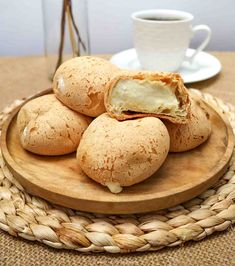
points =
(163, 19)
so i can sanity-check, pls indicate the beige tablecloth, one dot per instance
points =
(22, 76)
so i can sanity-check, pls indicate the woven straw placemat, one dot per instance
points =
(35, 219)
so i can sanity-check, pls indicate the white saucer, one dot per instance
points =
(203, 67)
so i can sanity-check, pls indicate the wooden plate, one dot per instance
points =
(60, 180)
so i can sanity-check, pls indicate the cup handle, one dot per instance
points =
(203, 44)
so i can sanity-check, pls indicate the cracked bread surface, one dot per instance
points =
(188, 136)
(48, 127)
(80, 83)
(122, 153)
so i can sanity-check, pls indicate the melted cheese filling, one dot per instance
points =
(25, 132)
(114, 187)
(61, 85)
(145, 96)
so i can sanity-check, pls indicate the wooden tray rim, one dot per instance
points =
(219, 169)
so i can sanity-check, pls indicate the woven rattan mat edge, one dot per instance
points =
(33, 218)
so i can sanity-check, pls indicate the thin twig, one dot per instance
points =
(62, 31)
(67, 8)
(75, 27)
(71, 33)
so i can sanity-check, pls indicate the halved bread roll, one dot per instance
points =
(139, 94)
(195, 132)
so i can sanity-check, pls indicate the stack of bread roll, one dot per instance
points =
(122, 123)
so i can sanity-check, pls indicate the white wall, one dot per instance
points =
(21, 28)
(110, 27)
(110, 23)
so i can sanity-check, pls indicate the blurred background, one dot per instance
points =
(31, 27)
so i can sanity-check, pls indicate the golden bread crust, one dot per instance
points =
(124, 152)
(48, 127)
(80, 83)
(194, 133)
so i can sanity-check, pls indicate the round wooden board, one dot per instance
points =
(60, 180)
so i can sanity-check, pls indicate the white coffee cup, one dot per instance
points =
(161, 38)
